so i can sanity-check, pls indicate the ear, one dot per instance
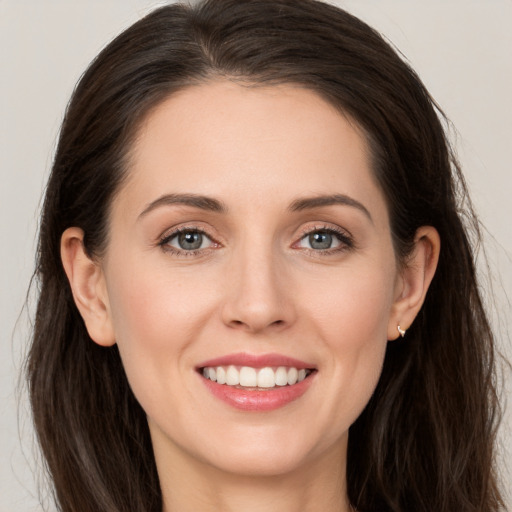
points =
(88, 287)
(414, 280)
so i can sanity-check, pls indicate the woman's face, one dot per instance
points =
(251, 237)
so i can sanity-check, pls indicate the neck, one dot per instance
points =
(189, 485)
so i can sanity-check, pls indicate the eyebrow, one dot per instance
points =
(194, 200)
(328, 200)
(214, 205)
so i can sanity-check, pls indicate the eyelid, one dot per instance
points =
(169, 234)
(344, 237)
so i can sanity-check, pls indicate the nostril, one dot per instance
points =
(237, 324)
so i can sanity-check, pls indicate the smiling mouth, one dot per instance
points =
(258, 379)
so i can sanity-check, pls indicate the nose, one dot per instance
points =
(258, 293)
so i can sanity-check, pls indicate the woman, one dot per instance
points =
(256, 287)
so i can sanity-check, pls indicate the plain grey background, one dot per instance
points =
(462, 49)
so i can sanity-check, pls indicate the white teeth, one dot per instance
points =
(232, 376)
(249, 377)
(266, 378)
(221, 375)
(293, 373)
(281, 376)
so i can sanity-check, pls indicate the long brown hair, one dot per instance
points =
(425, 441)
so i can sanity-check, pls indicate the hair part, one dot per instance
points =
(426, 439)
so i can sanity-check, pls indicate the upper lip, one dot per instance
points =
(256, 361)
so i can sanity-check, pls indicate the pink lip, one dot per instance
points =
(256, 361)
(256, 400)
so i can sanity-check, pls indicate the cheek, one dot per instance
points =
(363, 323)
(352, 320)
(352, 308)
(155, 304)
(156, 316)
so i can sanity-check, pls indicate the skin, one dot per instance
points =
(255, 286)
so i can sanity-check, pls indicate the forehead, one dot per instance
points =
(244, 142)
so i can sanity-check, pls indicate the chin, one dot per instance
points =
(254, 464)
(271, 454)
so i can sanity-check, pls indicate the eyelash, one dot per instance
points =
(164, 242)
(345, 239)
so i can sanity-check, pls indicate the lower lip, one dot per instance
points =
(256, 400)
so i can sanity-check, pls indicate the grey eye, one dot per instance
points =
(189, 241)
(320, 240)
(323, 240)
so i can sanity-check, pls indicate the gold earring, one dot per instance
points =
(401, 331)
